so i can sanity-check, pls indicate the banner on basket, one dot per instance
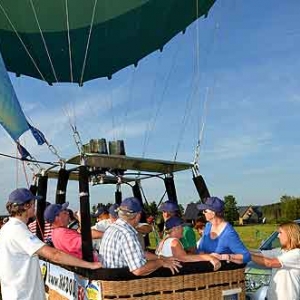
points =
(67, 284)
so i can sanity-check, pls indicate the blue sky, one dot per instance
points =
(249, 74)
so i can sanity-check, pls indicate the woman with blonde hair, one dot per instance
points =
(171, 246)
(285, 264)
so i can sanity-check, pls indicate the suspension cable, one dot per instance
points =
(147, 132)
(201, 131)
(110, 103)
(205, 105)
(187, 112)
(69, 42)
(43, 39)
(130, 97)
(171, 71)
(21, 41)
(88, 43)
(30, 160)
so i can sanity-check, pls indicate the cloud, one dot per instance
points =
(237, 146)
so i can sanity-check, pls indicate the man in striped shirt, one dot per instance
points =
(121, 248)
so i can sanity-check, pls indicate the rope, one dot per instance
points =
(130, 94)
(147, 132)
(187, 112)
(88, 43)
(195, 92)
(142, 190)
(201, 127)
(69, 113)
(29, 160)
(132, 84)
(171, 71)
(17, 170)
(110, 103)
(21, 41)
(44, 41)
(69, 42)
(25, 174)
(161, 199)
(201, 131)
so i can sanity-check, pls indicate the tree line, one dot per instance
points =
(287, 209)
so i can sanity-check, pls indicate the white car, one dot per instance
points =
(258, 277)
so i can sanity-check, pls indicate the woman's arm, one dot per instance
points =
(235, 258)
(269, 262)
(179, 253)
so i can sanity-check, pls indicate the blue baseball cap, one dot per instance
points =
(53, 210)
(173, 222)
(21, 196)
(131, 205)
(101, 210)
(169, 206)
(213, 203)
(113, 210)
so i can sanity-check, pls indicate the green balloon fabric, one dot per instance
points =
(80, 40)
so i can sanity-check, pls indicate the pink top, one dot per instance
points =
(69, 241)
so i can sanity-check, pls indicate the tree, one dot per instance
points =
(231, 211)
(290, 207)
(151, 208)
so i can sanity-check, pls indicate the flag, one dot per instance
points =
(23, 152)
(38, 135)
(12, 117)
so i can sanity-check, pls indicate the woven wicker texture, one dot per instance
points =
(184, 287)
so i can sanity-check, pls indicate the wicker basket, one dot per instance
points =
(194, 281)
(213, 285)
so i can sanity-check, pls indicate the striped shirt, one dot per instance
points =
(47, 230)
(121, 248)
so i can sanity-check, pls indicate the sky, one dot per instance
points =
(235, 73)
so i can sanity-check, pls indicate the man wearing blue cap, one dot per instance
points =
(64, 238)
(121, 248)
(170, 209)
(104, 223)
(20, 273)
(101, 214)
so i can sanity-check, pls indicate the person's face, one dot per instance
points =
(31, 209)
(64, 218)
(167, 215)
(137, 219)
(209, 214)
(177, 231)
(283, 238)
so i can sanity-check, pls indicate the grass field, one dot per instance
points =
(251, 235)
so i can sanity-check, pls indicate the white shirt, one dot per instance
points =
(100, 226)
(285, 281)
(20, 272)
(164, 248)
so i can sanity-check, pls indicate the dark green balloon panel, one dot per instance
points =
(123, 32)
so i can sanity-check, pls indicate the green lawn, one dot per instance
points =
(251, 235)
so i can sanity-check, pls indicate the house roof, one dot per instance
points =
(243, 209)
(191, 211)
